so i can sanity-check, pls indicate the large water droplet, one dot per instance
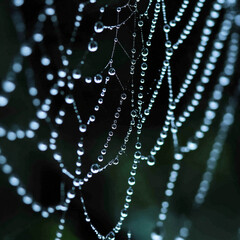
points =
(131, 181)
(14, 181)
(69, 99)
(95, 168)
(8, 86)
(151, 160)
(18, 3)
(42, 146)
(98, 78)
(130, 191)
(3, 101)
(144, 66)
(45, 61)
(110, 236)
(76, 74)
(25, 50)
(124, 212)
(111, 71)
(71, 194)
(98, 27)
(92, 46)
(83, 128)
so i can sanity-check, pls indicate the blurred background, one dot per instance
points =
(217, 219)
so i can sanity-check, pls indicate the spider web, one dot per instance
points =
(116, 67)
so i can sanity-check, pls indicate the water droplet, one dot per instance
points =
(83, 128)
(18, 3)
(172, 23)
(27, 199)
(124, 212)
(130, 191)
(14, 181)
(36, 207)
(62, 73)
(76, 182)
(144, 52)
(95, 168)
(133, 113)
(144, 66)
(140, 23)
(98, 27)
(110, 236)
(178, 156)
(92, 46)
(3, 101)
(69, 99)
(138, 145)
(80, 151)
(98, 78)
(71, 194)
(137, 154)
(131, 181)
(151, 160)
(111, 71)
(166, 28)
(224, 81)
(169, 51)
(57, 156)
(8, 86)
(42, 146)
(38, 37)
(88, 79)
(76, 74)
(25, 50)
(45, 61)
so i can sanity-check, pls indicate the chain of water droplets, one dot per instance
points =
(223, 81)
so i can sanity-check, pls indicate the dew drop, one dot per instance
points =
(14, 181)
(95, 168)
(110, 236)
(98, 78)
(111, 71)
(144, 66)
(151, 160)
(92, 46)
(8, 86)
(18, 3)
(69, 99)
(76, 182)
(88, 79)
(45, 61)
(124, 212)
(3, 101)
(166, 28)
(98, 27)
(25, 50)
(76, 74)
(71, 194)
(42, 146)
(130, 191)
(138, 145)
(144, 52)
(140, 23)
(83, 128)
(131, 181)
